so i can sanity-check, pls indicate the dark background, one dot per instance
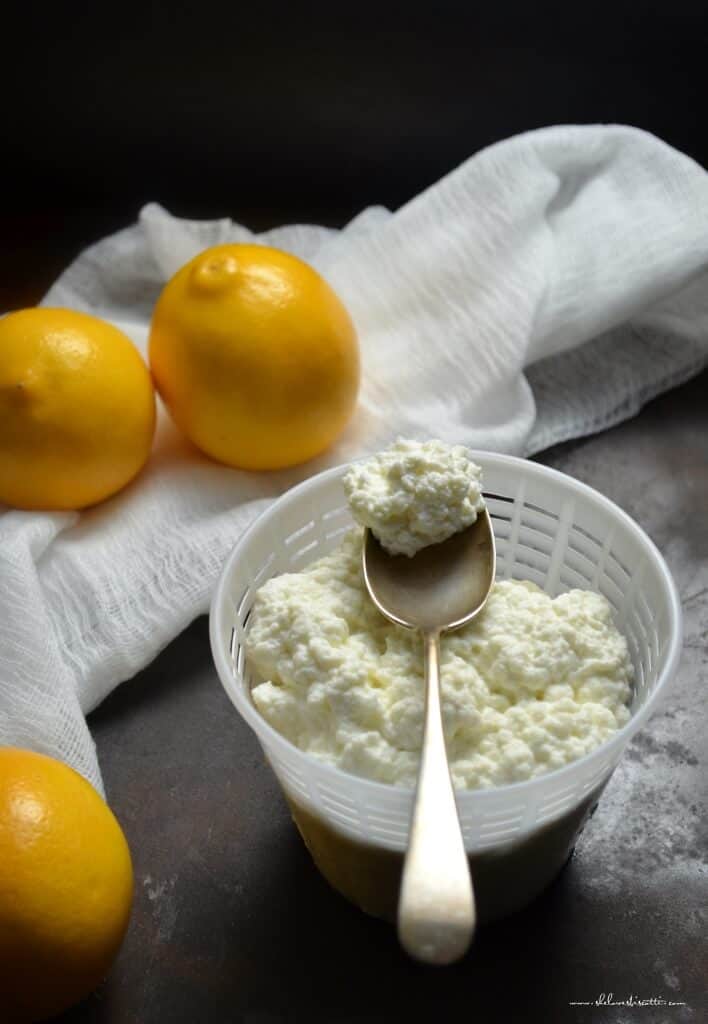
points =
(274, 112)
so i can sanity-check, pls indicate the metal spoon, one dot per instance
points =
(440, 588)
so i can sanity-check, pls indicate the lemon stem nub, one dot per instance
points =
(215, 272)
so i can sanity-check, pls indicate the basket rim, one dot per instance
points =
(272, 738)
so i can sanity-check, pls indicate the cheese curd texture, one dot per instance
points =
(415, 493)
(530, 685)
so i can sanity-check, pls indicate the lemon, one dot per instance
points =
(66, 885)
(77, 409)
(255, 356)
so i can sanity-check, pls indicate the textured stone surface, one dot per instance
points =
(232, 923)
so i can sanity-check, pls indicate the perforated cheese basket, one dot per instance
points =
(550, 529)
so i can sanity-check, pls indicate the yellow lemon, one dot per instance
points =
(255, 356)
(66, 886)
(77, 409)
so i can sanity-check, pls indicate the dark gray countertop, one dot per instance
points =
(231, 921)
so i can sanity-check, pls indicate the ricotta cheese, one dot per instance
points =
(530, 685)
(415, 493)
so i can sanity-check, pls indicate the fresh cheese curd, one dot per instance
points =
(530, 685)
(415, 493)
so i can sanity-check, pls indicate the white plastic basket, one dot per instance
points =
(549, 528)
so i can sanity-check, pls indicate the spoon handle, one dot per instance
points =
(436, 914)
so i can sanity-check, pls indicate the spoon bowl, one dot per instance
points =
(442, 587)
